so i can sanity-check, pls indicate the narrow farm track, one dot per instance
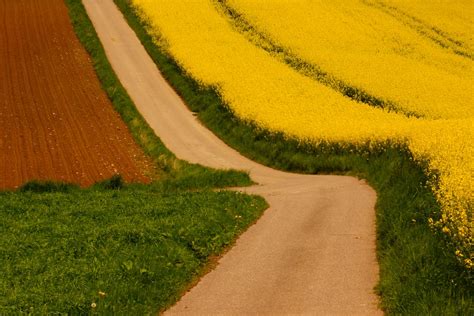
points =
(312, 252)
(56, 123)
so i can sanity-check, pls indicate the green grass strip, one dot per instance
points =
(419, 272)
(142, 248)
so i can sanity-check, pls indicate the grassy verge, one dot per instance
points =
(115, 248)
(419, 273)
(140, 247)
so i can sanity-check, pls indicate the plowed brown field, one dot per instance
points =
(55, 121)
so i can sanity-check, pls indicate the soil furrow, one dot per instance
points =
(56, 122)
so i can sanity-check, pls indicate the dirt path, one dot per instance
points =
(56, 122)
(312, 252)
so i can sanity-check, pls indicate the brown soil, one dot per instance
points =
(55, 121)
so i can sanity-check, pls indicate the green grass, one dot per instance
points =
(142, 245)
(419, 272)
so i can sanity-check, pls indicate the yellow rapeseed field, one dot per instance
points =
(370, 49)
(357, 43)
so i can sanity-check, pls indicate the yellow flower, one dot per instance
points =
(446, 230)
(468, 263)
(359, 45)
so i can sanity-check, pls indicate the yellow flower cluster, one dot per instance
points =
(380, 55)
